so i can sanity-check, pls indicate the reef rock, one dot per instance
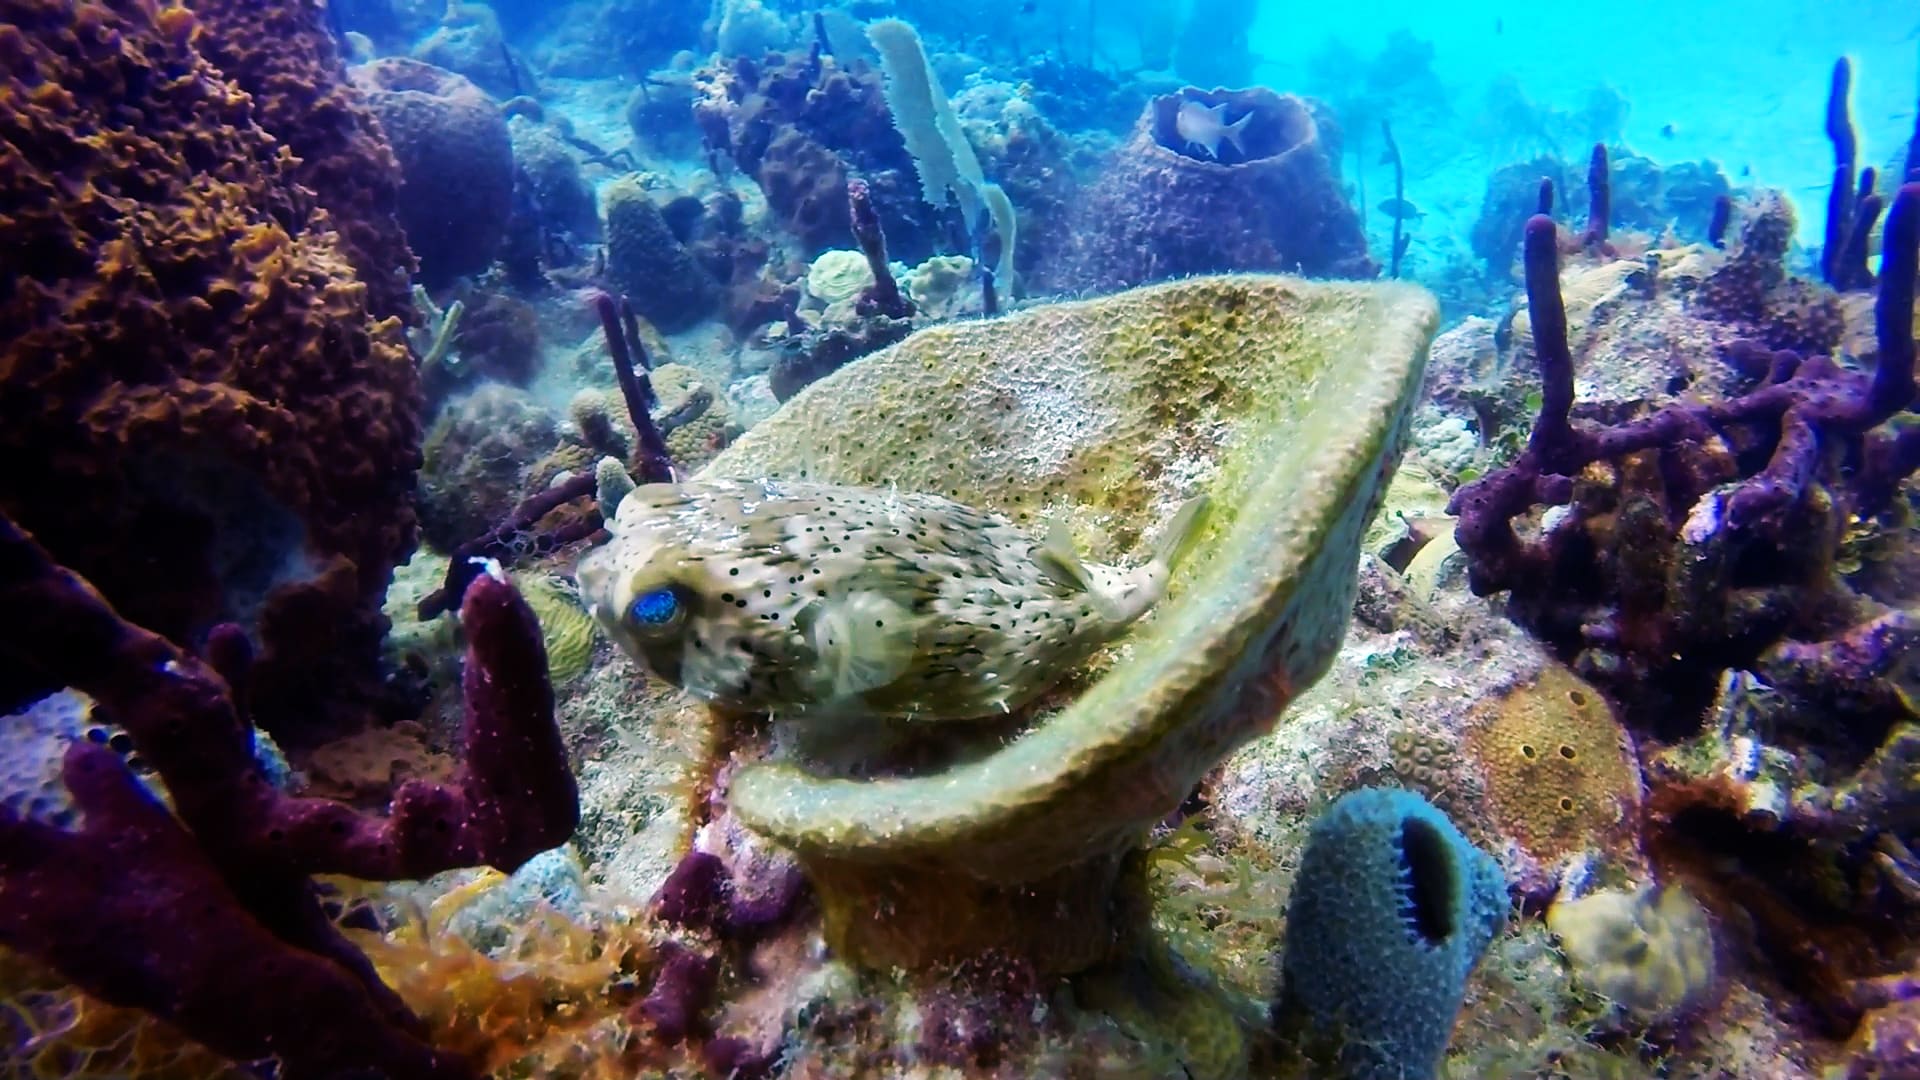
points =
(1164, 208)
(801, 132)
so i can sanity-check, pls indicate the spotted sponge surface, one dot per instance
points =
(1392, 909)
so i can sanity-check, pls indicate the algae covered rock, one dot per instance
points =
(1284, 400)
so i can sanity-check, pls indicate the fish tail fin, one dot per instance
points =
(1236, 131)
(863, 642)
(1182, 533)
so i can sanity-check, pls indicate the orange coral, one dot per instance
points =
(189, 353)
(283, 57)
(1561, 776)
(547, 1004)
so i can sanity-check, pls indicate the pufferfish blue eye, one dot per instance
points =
(655, 608)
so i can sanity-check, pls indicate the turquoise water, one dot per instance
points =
(1741, 84)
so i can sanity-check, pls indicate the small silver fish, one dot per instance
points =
(1402, 209)
(806, 598)
(1204, 126)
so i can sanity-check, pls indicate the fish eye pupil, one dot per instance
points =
(655, 608)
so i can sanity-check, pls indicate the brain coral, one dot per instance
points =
(1285, 400)
(189, 355)
(456, 158)
(1561, 775)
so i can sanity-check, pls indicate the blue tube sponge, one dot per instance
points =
(1390, 912)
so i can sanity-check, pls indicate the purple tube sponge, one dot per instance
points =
(1599, 203)
(883, 297)
(1841, 196)
(1816, 399)
(208, 917)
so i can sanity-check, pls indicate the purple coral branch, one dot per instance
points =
(1852, 268)
(1599, 203)
(130, 908)
(1840, 196)
(215, 923)
(883, 296)
(515, 537)
(622, 330)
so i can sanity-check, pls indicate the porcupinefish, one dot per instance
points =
(796, 598)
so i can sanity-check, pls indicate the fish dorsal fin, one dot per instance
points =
(863, 642)
(1177, 541)
(1060, 563)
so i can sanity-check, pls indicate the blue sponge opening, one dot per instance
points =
(1427, 904)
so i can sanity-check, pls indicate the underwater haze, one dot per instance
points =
(902, 540)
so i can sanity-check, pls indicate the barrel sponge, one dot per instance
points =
(1390, 912)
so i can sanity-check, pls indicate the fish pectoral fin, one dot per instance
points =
(1176, 543)
(1060, 563)
(862, 643)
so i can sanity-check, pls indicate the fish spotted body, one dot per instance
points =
(1204, 126)
(797, 598)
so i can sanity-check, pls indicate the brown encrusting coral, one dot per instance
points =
(283, 57)
(202, 413)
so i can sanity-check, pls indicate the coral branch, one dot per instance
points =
(1399, 198)
(88, 903)
(883, 297)
(1852, 268)
(1893, 386)
(1548, 315)
(515, 537)
(623, 342)
(1810, 404)
(1599, 203)
(1840, 196)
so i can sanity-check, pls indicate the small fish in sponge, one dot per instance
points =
(798, 598)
